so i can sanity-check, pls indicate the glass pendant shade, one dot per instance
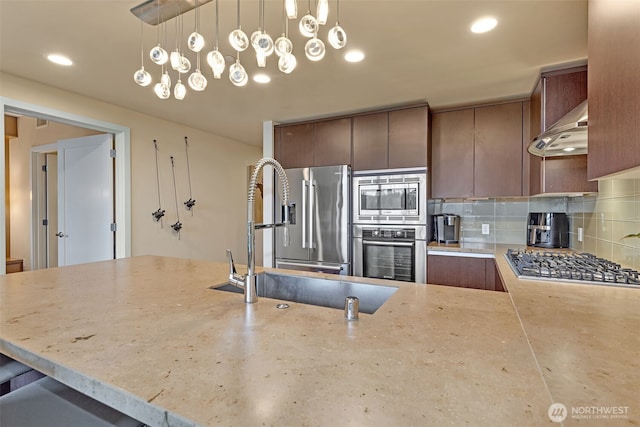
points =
(165, 79)
(308, 26)
(261, 59)
(237, 74)
(216, 62)
(283, 45)
(264, 44)
(142, 77)
(287, 63)
(291, 7)
(162, 91)
(174, 59)
(239, 40)
(337, 37)
(179, 90)
(185, 65)
(195, 42)
(197, 81)
(314, 49)
(323, 11)
(158, 55)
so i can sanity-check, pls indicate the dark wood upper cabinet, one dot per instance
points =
(452, 154)
(322, 143)
(498, 150)
(371, 141)
(397, 138)
(557, 93)
(293, 145)
(614, 86)
(332, 142)
(477, 152)
(408, 137)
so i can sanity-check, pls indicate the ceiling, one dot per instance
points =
(416, 50)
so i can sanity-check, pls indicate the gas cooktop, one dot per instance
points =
(570, 267)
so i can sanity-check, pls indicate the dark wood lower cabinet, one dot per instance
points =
(463, 272)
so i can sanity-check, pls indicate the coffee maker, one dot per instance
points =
(446, 228)
(548, 230)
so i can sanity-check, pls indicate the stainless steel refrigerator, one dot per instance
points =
(320, 238)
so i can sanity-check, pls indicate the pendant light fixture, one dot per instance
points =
(337, 36)
(142, 76)
(157, 12)
(237, 73)
(215, 58)
(322, 11)
(195, 41)
(291, 7)
(237, 38)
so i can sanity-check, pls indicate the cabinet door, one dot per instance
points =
(332, 142)
(472, 274)
(614, 67)
(408, 137)
(498, 150)
(371, 141)
(452, 154)
(443, 270)
(293, 145)
(567, 174)
(563, 93)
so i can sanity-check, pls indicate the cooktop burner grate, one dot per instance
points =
(570, 266)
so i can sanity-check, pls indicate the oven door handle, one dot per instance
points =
(381, 243)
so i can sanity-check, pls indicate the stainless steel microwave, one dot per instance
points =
(390, 198)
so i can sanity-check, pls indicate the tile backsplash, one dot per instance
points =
(507, 218)
(604, 217)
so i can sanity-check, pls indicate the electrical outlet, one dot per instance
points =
(485, 228)
(580, 234)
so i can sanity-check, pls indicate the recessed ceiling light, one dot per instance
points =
(261, 78)
(59, 59)
(484, 25)
(354, 56)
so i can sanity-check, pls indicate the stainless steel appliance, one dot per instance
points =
(390, 197)
(390, 252)
(320, 199)
(446, 228)
(570, 267)
(548, 230)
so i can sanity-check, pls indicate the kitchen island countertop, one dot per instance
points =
(147, 336)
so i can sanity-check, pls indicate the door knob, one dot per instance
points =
(60, 234)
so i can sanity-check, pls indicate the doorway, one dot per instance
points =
(121, 175)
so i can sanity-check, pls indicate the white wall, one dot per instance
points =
(218, 174)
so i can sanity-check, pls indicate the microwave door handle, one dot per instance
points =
(305, 190)
(312, 199)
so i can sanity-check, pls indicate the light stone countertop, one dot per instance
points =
(147, 336)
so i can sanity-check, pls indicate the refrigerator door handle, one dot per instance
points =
(312, 198)
(305, 191)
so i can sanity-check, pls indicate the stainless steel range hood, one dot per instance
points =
(568, 136)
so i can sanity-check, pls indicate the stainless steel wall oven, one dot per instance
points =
(395, 253)
(390, 230)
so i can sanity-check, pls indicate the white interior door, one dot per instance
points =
(85, 200)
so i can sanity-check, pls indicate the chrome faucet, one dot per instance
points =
(248, 282)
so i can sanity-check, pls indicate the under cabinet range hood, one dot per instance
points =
(568, 136)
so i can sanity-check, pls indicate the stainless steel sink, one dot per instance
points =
(321, 292)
